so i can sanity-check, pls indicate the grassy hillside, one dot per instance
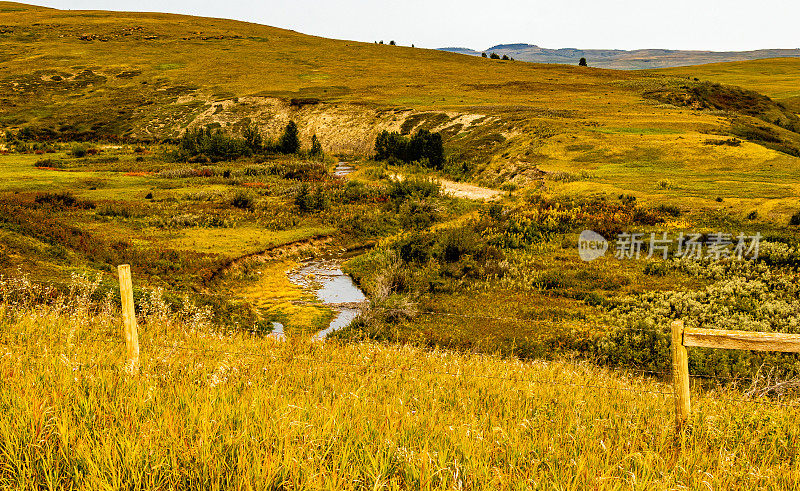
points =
(574, 147)
(776, 78)
(74, 74)
(214, 410)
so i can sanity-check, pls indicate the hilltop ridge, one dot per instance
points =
(619, 59)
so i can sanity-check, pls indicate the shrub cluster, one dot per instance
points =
(308, 200)
(423, 147)
(212, 144)
(209, 144)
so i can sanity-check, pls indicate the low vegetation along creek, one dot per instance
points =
(421, 212)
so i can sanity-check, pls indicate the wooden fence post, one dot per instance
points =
(129, 316)
(680, 375)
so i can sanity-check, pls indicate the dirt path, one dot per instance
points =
(462, 190)
(469, 191)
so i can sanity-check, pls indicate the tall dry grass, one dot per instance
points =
(217, 410)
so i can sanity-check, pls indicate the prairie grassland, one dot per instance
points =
(132, 202)
(214, 410)
(775, 77)
(149, 76)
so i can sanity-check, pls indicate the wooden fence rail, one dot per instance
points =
(683, 337)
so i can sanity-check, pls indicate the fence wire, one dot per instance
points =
(396, 369)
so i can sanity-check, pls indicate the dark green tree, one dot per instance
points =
(426, 145)
(483, 55)
(582, 62)
(494, 56)
(253, 139)
(423, 146)
(506, 58)
(289, 141)
(316, 146)
(390, 145)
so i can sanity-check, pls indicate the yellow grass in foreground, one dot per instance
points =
(303, 415)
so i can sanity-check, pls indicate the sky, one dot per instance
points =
(718, 25)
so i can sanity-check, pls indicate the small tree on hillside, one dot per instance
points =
(390, 145)
(316, 146)
(582, 62)
(494, 56)
(289, 141)
(392, 43)
(425, 145)
(506, 58)
(483, 55)
(253, 139)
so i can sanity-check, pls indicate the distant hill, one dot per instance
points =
(625, 60)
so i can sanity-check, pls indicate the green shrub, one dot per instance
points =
(79, 151)
(400, 190)
(243, 201)
(455, 243)
(289, 141)
(316, 146)
(423, 147)
(307, 200)
(664, 184)
(253, 139)
(211, 144)
(358, 192)
(594, 299)
(418, 214)
(670, 210)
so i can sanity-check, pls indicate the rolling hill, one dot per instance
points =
(625, 59)
(149, 76)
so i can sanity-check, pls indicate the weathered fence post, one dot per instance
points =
(680, 375)
(129, 316)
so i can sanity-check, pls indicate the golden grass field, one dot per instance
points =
(214, 410)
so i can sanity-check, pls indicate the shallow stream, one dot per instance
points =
(333, 287)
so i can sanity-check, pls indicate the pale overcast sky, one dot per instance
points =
(720, 25)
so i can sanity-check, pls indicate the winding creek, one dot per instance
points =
(332, 286)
